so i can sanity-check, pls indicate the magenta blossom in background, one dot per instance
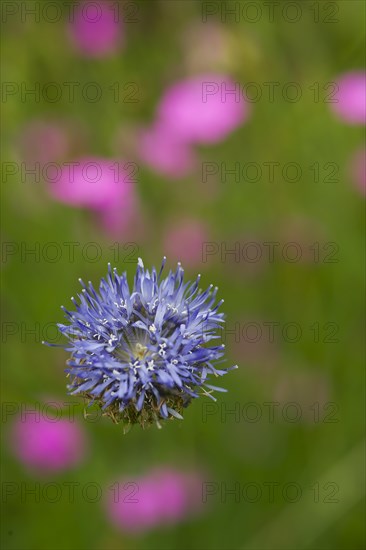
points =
(184, 241)
(358, 170)
(104, 186)
(96, 29)
(350, 105)
(165, 496)
(123, 219)
(203, 109)
(48, 445)
(94, 183)
(159, 148)
(199, 110)
(140, 510)
(173, 495)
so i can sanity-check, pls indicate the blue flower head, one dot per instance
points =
(143, 355)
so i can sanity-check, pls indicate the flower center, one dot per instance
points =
(140, 351)
(132, 346)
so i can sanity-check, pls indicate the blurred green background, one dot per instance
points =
(312, 370)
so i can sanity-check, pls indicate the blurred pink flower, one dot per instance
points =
(358, 170)
(48, 445)
(351, 98)
(165, 496)
(96, 29)
(203, 109)
(93, 182)
(102, 185)
(184, 241)
(173, 494)
(159, 148)
(123, 219)
(139, 511)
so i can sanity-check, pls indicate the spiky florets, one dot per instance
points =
(142, 355)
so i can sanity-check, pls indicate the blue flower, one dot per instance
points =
(145, 354)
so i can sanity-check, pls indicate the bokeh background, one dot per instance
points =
(296, 473)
